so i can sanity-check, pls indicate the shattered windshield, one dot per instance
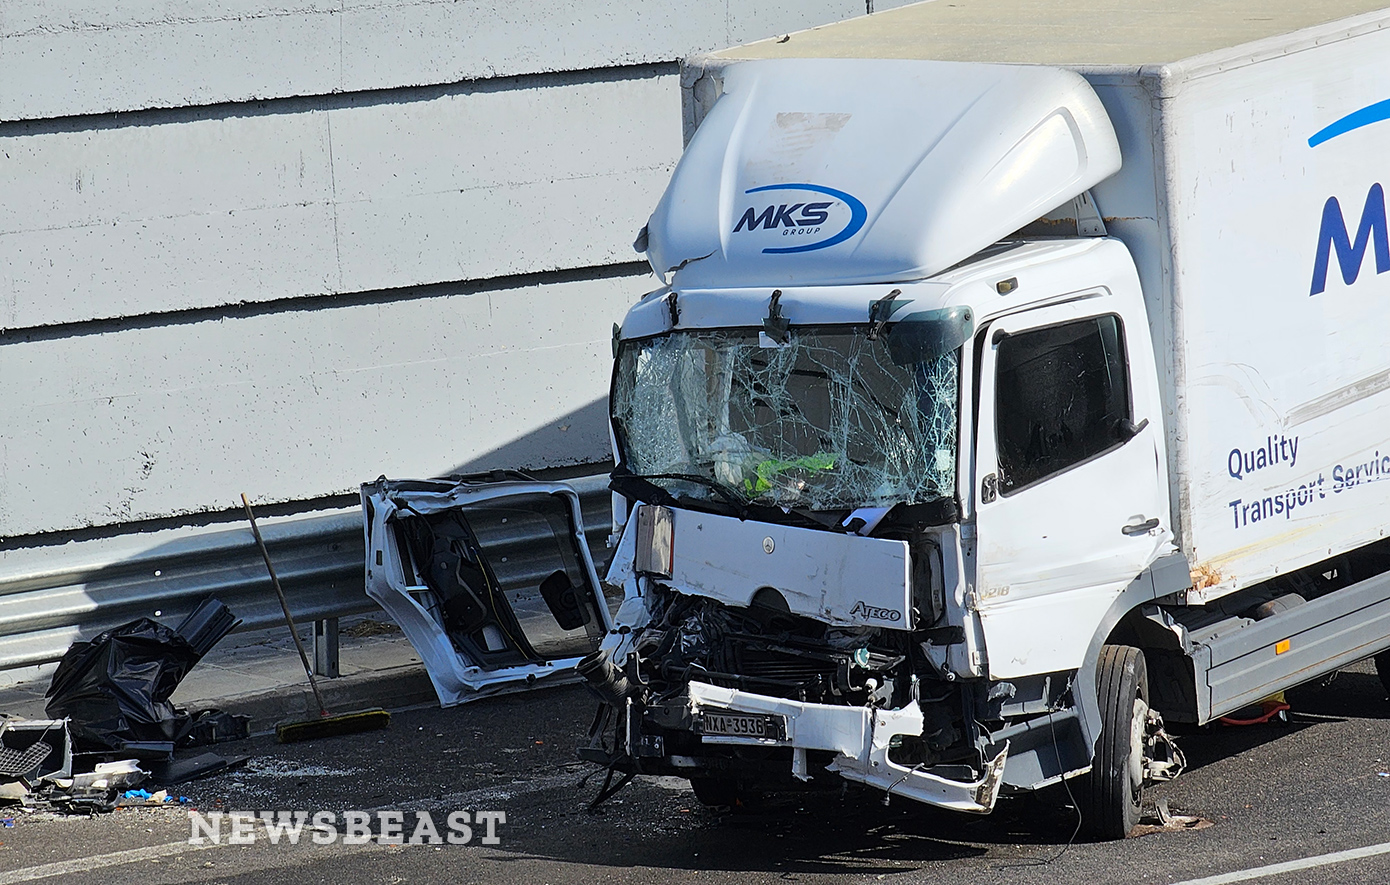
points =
(827, 420)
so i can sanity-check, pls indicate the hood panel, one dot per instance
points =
(823, 171)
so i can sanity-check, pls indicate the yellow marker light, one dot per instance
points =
(1281, 646)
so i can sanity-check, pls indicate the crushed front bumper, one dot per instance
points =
(860, 737)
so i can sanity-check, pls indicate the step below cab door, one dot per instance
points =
(1071, 498)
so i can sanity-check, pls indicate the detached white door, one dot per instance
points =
(1070, 503)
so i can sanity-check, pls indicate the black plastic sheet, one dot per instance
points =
(116, 687)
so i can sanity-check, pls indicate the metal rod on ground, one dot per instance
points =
(326, 725)
(285, 606)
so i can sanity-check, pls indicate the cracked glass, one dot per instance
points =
(825, 421)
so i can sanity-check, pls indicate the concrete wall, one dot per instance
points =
(282, 247)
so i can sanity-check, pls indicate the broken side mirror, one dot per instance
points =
(1126, 430)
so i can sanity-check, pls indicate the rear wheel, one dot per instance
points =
(1110, 799)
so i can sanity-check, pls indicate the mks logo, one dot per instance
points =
(781, 216)
(806, 219)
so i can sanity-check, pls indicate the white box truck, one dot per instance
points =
(1017, 383)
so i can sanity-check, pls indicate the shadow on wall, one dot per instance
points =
(577, 437)
(319, 557)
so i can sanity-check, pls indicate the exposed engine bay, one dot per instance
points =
(764, 649)
(752, 697)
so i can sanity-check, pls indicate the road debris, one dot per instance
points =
(1158, 819)
(115, 689)
(113, 726)
(488, 575)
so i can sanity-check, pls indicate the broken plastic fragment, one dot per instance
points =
(34, 749)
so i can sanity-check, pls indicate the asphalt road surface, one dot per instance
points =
(1312, 796)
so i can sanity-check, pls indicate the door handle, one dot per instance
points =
(1141, 528)
(989, 489)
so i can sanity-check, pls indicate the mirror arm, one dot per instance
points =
(1129, 430)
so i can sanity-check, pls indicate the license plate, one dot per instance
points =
(719, 723)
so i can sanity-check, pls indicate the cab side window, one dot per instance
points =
(1062, 396)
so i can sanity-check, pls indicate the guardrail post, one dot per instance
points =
(326, 648)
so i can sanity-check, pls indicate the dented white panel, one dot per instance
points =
(1287, 369)
(456, 677)
(808, 171)
(839, 579)
(860, 737)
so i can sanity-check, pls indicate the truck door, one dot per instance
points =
(1070, 497)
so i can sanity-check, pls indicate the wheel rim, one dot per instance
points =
(1138, 725)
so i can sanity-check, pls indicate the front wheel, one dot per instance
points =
(1110, 798)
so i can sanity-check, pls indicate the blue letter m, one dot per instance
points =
(754, 221)
(1349, 254)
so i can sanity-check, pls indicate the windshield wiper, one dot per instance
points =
(730, 497)
(739, 506)
(639, 486)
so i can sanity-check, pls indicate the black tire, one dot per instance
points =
(1110, 798)
(1383, 669)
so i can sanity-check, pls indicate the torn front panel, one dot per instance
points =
(839, 579)
(492, 582)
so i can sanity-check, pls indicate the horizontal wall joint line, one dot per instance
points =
(324, 301)
(299, 104)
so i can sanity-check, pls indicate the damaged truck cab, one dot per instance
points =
(809, 569)
(816, 583)
(917, 461)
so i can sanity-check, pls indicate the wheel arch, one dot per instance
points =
(1123, 625)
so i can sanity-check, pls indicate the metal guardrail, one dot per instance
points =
(319, 561)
